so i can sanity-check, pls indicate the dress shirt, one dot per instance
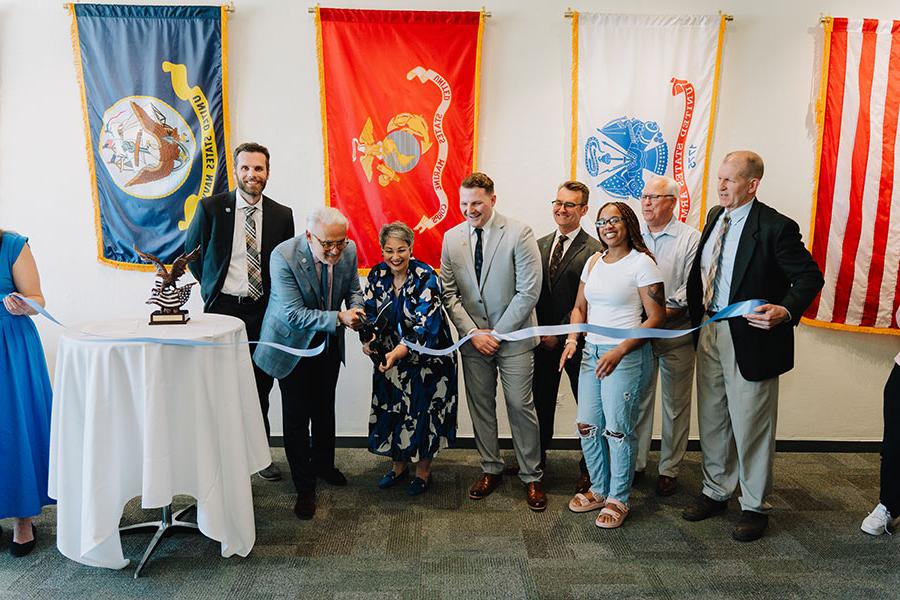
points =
(235, 283)
(729, 253)
(485, 234)
(566, 244)
(674, 248)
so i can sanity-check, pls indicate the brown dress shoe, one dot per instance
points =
(305, 507)
(666, 486)
(537, 499)
(584, 484)
(704, 507)
(486, 484)
(750, 526)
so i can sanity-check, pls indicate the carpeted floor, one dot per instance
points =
(369, 543)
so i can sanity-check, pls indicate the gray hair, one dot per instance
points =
(325, 215)
(672, 188)
(397, 229)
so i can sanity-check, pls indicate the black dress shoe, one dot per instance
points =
(305, 506)
(24, 549)
(332, 476)
(704, 507)
(750, 526)
(584, 484)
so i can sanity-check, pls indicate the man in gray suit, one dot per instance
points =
(312, 275)
(491, 272)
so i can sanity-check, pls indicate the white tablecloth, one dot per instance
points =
(151, 420)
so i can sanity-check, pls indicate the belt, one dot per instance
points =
(239, 299)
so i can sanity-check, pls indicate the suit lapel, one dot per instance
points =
(268, 229)
(745, 249)
(307, 269)
(499, 230)
(466, 245)
(227, 232)
(545, 245)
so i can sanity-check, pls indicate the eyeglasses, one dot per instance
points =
(328, 245)
(566, 205)
(655, 197)
(601, 222)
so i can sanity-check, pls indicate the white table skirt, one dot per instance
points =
(152, 420)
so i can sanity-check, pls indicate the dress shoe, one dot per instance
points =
(332, 476)
(534, 494)
(305, 506)
(750, 526)
(666, 486)
(392, 477)
(418, 485)
(25, 548)
(271, 473)
(486, 484)
(584, 484)
(704, 507)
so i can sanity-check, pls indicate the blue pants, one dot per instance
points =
(609, 406)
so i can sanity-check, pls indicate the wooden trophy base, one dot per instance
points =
(160, 318)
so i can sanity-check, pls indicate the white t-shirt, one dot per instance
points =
(611, 291)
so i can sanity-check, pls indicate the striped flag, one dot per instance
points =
(856, 219)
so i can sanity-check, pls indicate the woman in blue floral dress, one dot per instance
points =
(414, 396)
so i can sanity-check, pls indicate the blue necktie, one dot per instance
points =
(479, 254)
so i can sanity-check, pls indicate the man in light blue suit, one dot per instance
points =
(312, 276)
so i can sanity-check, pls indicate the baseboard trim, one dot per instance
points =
(468, 443)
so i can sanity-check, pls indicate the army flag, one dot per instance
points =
(855, 229)
(399, 94)
(153, 94)
(643, 103)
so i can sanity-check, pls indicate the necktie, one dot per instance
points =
(254, 273)
(326, 293)
(557, 256)
(479, 253)
(715, 263)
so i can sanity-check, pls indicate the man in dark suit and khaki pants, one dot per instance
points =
(563, 255)
(236, 232)
(748, 250)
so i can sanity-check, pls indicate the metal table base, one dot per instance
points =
(168, 524)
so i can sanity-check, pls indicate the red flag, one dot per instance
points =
(399, 93)
(856, 221)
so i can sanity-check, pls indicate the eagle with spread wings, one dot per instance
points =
(168, 277)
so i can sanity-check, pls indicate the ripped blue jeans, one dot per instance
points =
(609, 408)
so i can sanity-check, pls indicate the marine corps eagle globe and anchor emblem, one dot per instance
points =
(407, 138)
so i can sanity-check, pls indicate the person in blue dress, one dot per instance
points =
(25, 395)
(414, 396)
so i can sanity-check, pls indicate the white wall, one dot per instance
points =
(770, 71)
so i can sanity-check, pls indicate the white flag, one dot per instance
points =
(644, 90)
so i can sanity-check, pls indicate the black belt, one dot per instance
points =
(239, 299)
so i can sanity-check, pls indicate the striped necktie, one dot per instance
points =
(254, 273)
(715, 263)
(556, 258)
(479, 253)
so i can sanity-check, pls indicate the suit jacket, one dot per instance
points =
(771, 264)
(558, 295)
(212, 228)
(295, 313)
(510, 282)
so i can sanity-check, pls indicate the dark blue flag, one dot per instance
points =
(153, 92)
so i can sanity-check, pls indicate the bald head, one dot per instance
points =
(749, 163)
(658, 202)
(739, 176)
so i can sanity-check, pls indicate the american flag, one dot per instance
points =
(856, 219)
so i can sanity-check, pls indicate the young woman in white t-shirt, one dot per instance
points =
(617, 287)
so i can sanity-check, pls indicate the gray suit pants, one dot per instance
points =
(516, 372)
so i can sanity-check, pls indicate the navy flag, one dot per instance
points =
(153, 84)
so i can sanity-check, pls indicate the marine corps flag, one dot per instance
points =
(644, 104)
(399, 93)
(153, 93)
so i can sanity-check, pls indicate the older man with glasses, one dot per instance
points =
(312, 276)
(674, 245)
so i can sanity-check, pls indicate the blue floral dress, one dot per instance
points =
(25, 399)
(414, 404)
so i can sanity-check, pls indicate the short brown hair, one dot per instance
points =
(751, 163)
(251, 147)
(576, 186)
(479, 180)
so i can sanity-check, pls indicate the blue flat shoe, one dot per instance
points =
(391, 478)
(418, 486)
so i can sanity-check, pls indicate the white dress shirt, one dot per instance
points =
(485, 233)
(236, 283)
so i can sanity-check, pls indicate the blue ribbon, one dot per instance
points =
(732, 310)
(171, 341)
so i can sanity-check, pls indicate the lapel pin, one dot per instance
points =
(227, 209)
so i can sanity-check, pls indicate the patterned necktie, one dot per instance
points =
(479, 253)
(557, 256)
(326, 293)
(254, 273)
(715, 263)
